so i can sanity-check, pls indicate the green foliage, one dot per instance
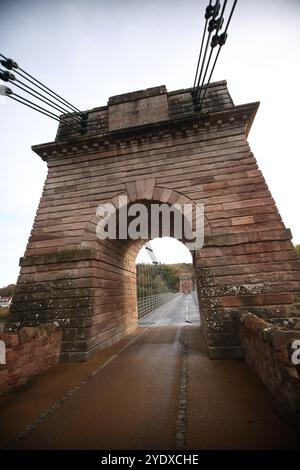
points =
(159, 278)
(7, 291)
(297, 248)
(170, 277)
(4, 311)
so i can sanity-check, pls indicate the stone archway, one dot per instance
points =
(164, 150)
(117, 260)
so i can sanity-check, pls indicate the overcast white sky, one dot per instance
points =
(88, 50)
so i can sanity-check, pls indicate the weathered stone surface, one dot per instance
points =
(267, 351)
(154, 146)
(28, 353)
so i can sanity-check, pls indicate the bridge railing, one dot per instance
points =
(153, 287)
(151, 302)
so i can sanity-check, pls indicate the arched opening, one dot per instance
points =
(118, 302)
(165, 283)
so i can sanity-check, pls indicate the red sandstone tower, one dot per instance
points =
(153, 145)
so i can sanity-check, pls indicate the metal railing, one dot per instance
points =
(153, 289)
(150, 303)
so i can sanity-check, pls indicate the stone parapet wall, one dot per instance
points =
(268, 351)
(27, 353)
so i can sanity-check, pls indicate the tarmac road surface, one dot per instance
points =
(156, 389)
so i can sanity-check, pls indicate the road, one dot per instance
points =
(156, 389)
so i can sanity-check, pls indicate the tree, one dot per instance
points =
(297, 248)
(7, 291)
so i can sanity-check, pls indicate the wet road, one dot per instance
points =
(156, 389)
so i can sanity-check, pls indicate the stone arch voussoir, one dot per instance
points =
(144, 190)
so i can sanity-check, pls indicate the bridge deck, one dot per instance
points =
(156, 389)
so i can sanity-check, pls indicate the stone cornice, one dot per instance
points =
(242, 113)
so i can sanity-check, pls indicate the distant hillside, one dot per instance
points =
(171, 273)
(162, 274)
(181, 268)
(7, 291)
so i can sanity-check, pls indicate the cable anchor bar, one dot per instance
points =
(218, 40)
(215, 24)
(212, 10)
(6, 76)
(9, 64)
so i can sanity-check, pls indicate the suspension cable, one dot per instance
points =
(11, 64)
(230, 16)
(53, 100)
(61, 100)
(38, 108)
(208, 82)
(201, 47)
(54, 106)
(42, 112)
(215, 13)
(219, 26)
(224, 34)
(40, 94)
